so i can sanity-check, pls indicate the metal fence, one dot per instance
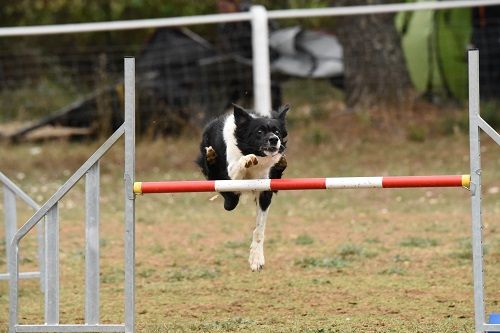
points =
(12, 192)
(50, 211)
(192, 68)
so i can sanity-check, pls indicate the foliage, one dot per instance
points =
(434, 43)
(28, 12)
(38, 12)
(489, 112)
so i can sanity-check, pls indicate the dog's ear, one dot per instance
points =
(240, 115)
(282, 111)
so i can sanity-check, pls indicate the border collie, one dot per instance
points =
(243, 145)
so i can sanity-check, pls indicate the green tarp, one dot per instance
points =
(435, 44)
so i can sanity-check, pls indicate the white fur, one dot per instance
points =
(256, 258)
(236, 167)
(236, 161)
(232, 152)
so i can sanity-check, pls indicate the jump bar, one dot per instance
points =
(300, 184)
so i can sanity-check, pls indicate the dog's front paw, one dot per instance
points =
(256, 258)
(249, 160)
(210, 155)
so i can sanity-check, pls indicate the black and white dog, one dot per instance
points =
(243, 145)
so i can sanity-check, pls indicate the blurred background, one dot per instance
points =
(384, 68)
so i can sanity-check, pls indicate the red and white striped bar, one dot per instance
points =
(300, 184)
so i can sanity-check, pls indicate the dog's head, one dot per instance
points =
(262, 136)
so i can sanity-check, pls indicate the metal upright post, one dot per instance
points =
(41, 252)
(9, 204)
(13, 269)
(52, 269)
(475, 190)
(129, 194)
(261, 67)
(92, 245)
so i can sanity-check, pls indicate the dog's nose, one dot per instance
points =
(273, 140)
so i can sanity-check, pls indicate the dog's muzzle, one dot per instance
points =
(273, 146)
(271, 151)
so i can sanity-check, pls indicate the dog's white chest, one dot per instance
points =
(234, 155)
(261, 170)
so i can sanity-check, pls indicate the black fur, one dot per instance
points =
(213, 137)
(254, 135)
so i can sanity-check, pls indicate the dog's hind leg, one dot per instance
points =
(256, 258)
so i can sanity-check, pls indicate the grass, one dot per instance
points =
(325, 262)
(350, 250)
(231, 324)
(189, 274)
(304, 239)
(236, 244)
(336, 261)
(419, 242)
(393, 270)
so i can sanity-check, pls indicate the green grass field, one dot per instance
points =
(336, 261)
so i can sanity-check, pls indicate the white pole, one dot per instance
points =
(378, 9)
(122, 25)
(261, 67)
(234, 17)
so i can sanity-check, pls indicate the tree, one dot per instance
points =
(374, 63)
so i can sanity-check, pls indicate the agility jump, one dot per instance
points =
(471, 182)
(300, 184)
(90, 169)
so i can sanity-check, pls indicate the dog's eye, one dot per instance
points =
(277, 132)
(260, 132)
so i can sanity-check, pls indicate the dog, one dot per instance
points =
(244, 145)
